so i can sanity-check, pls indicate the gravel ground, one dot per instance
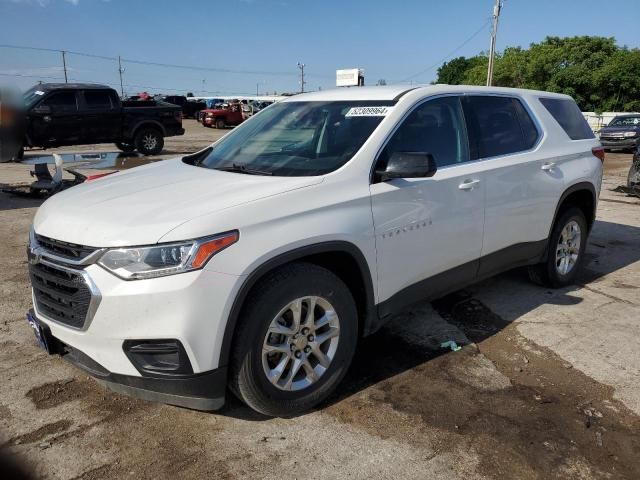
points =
(547, 384)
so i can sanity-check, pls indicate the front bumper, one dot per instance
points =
(201, 391)
(190, 307)
(619, 142)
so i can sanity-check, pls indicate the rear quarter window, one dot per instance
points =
(566, 112)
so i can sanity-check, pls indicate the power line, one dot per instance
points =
(159, 64)
(113, 84)
(440, 62)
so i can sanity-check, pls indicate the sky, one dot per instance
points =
(242, 46)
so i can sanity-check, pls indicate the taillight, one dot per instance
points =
(598, 152)
(179, 116)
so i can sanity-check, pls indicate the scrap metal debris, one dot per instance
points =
(46, 184)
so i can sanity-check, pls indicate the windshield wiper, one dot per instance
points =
(236, 168)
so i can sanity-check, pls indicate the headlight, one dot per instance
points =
(630, 134)
(160, 260)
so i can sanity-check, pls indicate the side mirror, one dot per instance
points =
(408, 165)
(43, 109)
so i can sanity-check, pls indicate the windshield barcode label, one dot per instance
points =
(368, 112)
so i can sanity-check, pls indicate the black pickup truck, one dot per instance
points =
(84, 114)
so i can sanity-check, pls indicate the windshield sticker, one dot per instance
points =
(39, 92)
(368, 112)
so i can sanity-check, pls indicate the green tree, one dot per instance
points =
(454, 71)
(599, 74)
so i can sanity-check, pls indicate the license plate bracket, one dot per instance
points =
(42, 333)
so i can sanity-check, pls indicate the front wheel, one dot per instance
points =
(295, 341)
(149, 141)
(567, 244)
(220, 123)
(125, 147)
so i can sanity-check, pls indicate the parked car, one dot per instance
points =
(190, 108)
(224, 115)
(81, 114)
(258, 262)
(623, 132)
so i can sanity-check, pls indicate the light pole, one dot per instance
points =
(120, 71)
(302, 82)
(492, 48)
(64, 65)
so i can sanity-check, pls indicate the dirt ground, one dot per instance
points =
(547, 384)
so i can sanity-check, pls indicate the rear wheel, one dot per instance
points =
(149, 141)
(126, 147)
(295, 341)
(566, 248)
(220, 123)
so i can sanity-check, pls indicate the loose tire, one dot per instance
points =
(633, 177)
(281, 366)
(149, 141)
(567, 244)
(125, 147)
(220, 123)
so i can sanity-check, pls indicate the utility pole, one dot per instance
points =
(120, 71)
(64, 66)
(494, 32)
(302, 82)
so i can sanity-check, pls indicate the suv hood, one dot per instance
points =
(139, 206)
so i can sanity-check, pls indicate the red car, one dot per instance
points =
(223, 115)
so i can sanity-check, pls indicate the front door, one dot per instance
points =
(55, 120)
(429, 230)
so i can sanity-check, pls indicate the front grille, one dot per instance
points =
(66, 250)
(61, 295)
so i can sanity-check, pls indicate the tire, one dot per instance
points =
(554, 272)
(125, 147)
(220, 123)
(271, 296)
(633, 177)
(149, 141)
(19, 156)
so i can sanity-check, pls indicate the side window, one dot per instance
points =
(499, 125)
(62, 102)
(98, 99)
(436, 127)
(568, 115)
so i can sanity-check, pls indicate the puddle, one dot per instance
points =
(93, 160)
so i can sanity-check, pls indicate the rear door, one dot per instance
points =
(429, 230)
(58, 123)
(101, 114)
(522, 184)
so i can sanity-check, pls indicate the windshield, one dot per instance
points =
(31, 96)
(298, 138)
(625, 122)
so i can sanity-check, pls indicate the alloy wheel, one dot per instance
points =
(568, 248)
(301, 343)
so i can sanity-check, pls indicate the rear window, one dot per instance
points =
(499, 126)
(568, 115)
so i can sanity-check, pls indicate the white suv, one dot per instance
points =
(257, 263)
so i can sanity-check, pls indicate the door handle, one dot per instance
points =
(468, 184)
(548, 166)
